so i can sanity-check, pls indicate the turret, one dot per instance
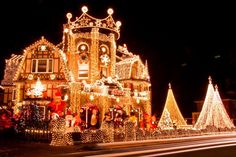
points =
(90, 46)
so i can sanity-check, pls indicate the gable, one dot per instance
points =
(130, 68)
(44, 60)
(10, 69)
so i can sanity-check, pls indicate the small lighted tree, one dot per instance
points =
(38, 89)
(166, 122)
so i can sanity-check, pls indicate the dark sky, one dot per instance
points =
(184, 43)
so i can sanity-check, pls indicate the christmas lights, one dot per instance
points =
(171, 114)
(207, 106)
(213, 113)
(88, 47)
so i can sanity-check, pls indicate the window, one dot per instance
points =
(83, 71)
(42, 66)
(13, 94)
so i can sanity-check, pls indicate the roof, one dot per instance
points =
(87, 21)
(33, 46)
(10, 69)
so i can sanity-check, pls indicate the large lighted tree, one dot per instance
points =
(206, 108)
(213, 112)
(172, 108)
(218, 116)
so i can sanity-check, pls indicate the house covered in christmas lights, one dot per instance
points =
(86, 74)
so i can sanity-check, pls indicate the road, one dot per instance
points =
(212, 145)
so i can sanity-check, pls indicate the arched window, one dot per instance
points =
(83, 61)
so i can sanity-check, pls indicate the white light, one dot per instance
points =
(43, 48)
(110, 11)
(84, 9)
(138, 101)
(103, 49)
(38, 90)
(118, 23)
(82, 47)
(117, 100)
(69, 15)
(66, 30)
(66, 97)
(91, 97)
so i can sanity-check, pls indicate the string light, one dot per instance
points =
(38, 89)
(171, 112)
(207, 105)
(213, 113)
(112, 88)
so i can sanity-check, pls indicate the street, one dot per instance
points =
(212, 145)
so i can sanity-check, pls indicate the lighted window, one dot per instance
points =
(42, 66)
(83, 71)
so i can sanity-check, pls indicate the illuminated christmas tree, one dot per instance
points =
(206, 108)
(218, 117)
(38, 89)
(165, 122)
(172, 108)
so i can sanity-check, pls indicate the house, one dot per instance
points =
(87, 71)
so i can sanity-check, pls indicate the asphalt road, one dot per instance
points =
(12, 147)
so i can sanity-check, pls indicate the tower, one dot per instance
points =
(90, 46)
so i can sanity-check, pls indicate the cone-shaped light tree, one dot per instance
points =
(218, 116)
(213, 112)
(171, 108)
(206, 108)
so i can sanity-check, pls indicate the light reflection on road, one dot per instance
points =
(161, 147)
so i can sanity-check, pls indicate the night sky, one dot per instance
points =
(184, 43)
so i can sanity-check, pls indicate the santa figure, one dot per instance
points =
(94, 118)
(57, 105)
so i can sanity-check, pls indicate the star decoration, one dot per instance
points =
(105, 59)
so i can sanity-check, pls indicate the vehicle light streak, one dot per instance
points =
(174, 150)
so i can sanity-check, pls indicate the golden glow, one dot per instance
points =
(171, 114)
(31, 76)
(98, 44)
(137, 100)
(38, 89)
(52, 76)
(117, 99)
(66, 30)
(91, 97)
